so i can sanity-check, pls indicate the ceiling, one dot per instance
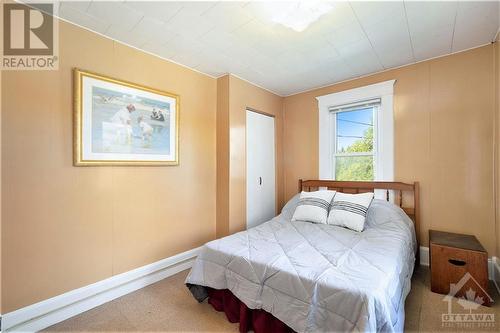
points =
(352, 40)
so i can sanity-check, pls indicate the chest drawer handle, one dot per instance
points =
(457, 262)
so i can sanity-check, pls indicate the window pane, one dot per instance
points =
(354, 168)
(355, 131)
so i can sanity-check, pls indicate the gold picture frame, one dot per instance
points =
(108, 130)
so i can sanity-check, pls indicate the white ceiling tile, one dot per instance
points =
(431, 25)
(160, 10)
(196, 8)
(476, 24)
(218, 40)
(265, 11)
(346, 35)
(391, 41)
(185, 44)
(340, 16)
(115, 13)
(321, 75)
(294, 61)
(390, 31)
(81, 6)
(426, 16)
(341, 74)
(432, 44)
(254, 31)
(211, 56)
(354, 39)
(395, 55)
(125, 37)
(150, 29)
(363, 63)
(227, 16)
(357, 48)
(303, 42)
(316, 77)
(158, 49)
(72, 14)
(210, 67)
(239, 50)
(374, 12)
(147, 30)
(321, 54)
(271, 45)
(191, 59)
(331, 71)
(264, 65)
(190, 23)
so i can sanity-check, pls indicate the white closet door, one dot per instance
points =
(261, 183)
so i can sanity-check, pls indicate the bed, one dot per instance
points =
(316, 277)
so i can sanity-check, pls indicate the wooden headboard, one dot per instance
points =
(362, 187)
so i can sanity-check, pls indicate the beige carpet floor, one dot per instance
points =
(167, 306)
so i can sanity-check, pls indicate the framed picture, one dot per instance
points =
(122, 123)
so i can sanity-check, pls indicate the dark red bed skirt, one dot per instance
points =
(259, 321)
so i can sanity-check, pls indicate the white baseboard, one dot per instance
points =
(41, 315)
(424, 256)
(51, 311)
(492, 262)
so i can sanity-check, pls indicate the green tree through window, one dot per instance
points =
(356, 167)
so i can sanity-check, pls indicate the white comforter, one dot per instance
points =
(315, 277)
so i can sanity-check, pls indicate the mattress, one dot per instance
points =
(315, 277)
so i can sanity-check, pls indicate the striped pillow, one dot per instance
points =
(313, 206)
(349, 210)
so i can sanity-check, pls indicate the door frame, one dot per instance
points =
(276, 179)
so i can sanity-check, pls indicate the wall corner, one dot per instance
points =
(222, 152)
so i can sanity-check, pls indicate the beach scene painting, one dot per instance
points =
(123, 123)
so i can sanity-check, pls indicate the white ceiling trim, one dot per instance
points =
(387, 70)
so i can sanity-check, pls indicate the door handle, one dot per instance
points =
(260, 180)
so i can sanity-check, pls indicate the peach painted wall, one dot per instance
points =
(1, 192)
(444, 111)
(73, 226)
(497, 142)
(243, 95)
(222, 156)
(64, 227)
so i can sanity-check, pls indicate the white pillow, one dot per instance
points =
(349, 210)
(313, 206)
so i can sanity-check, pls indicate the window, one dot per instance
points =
(354, 135)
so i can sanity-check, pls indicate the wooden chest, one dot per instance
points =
(461, 262)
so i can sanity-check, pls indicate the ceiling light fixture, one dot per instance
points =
(298, 15)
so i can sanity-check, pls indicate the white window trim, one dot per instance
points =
(384, 169)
